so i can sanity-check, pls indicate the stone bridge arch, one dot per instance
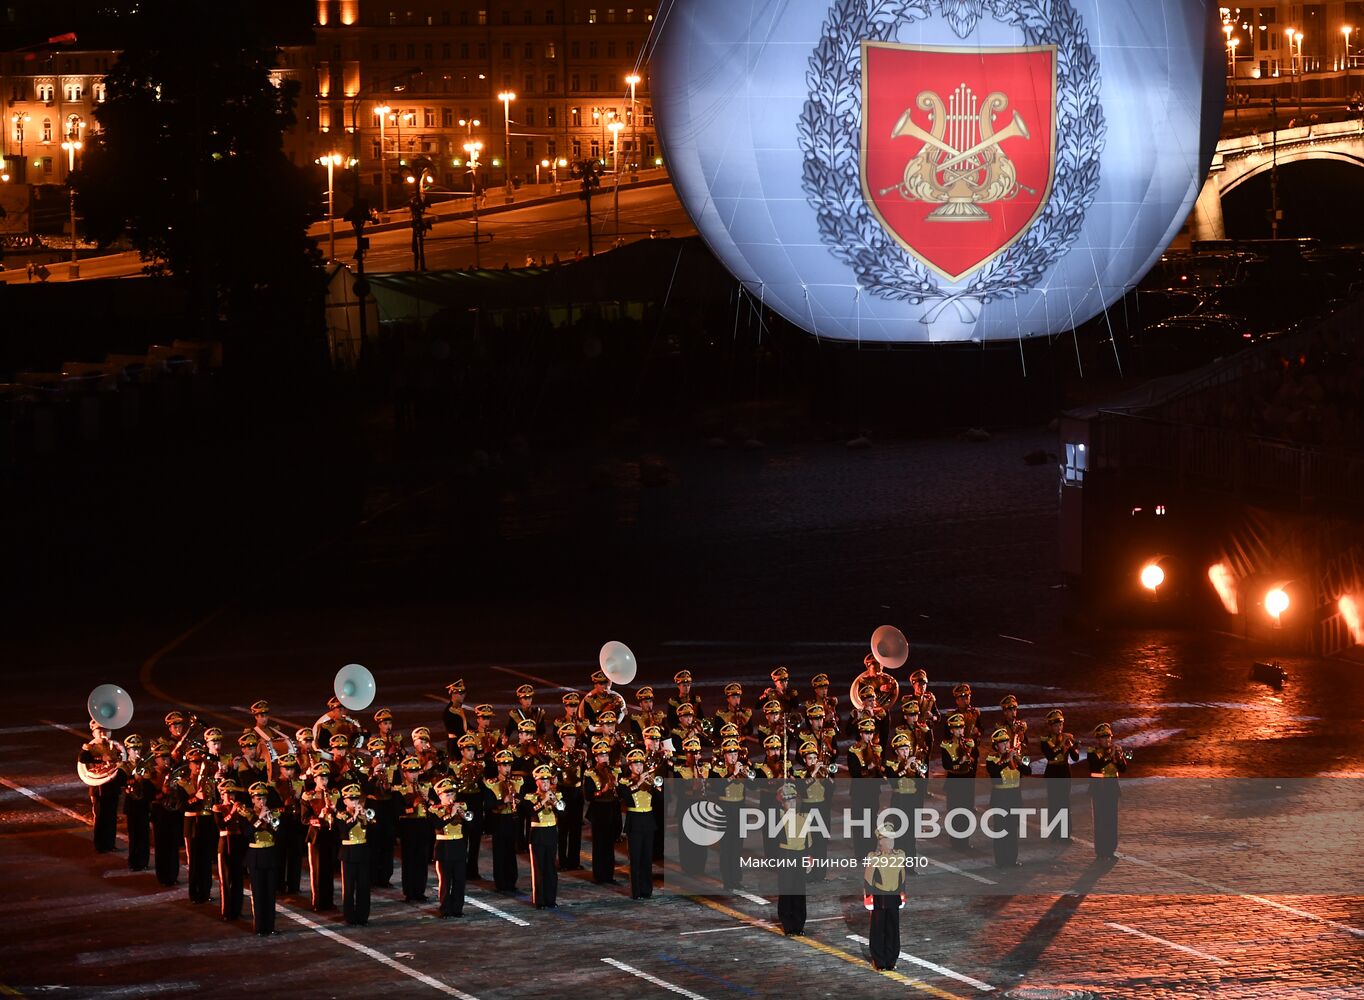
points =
(1239, 159)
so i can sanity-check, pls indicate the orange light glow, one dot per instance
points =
(1349, 610)
(1220, 575)
(1152, 576)
(1276, 602)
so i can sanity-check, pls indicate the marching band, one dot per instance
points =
(349, 796)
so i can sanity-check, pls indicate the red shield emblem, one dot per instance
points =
(958, 147)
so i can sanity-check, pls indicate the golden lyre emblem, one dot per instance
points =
(962, 164)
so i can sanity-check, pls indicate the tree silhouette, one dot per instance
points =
(188, 163)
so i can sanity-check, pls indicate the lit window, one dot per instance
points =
(592, 15)
(47, 130)
(1076, 463)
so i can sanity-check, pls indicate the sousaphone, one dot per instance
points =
(112, 708)
(889, 651)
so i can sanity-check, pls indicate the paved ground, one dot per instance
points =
(788, 554)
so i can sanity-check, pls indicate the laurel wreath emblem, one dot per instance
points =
(829, 138)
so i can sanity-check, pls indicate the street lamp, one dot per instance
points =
(331, 161)
(1297, 36)
(21, 118)
(1347, 31)
(542, 164)
(383, 111)
(632, 80)
(73, 142)
(473, 149)
(1235, 105)
(615, 166)
(506, 97)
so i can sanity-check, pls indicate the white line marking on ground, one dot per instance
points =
(1169, 944)
(939, 969)
(49, 803)
(1227, 890)
(19, 730)
(963, 872)
(653, 979)
(751, 897)
(1017, 639)
(378, 956)
(531, 677)
(475, 901)
(83, 734)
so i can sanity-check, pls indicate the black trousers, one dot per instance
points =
(383, 838)
(605, 819)
(355, 883)
(201, 850)
(473, 834)
(1103, 795)
(791, 877)
(639, 831)
(504, 828)
(1058, 798)
(292, 838)
(322, 844)
(1006, 847)
(262, 866)
(544, 876)
(884, 936)
(231, 875)
(571, 830)
(730, 846)
(168, 831)
(451, 866)
(139, 817)
(104, 803)
(961, 794)
(418, 838)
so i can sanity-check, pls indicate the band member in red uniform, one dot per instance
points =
(290, 838)
(319, 808)
(230, 816)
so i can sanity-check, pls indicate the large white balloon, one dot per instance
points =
(938, 170)
(617, 662)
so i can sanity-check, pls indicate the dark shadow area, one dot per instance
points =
(1319, 198)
